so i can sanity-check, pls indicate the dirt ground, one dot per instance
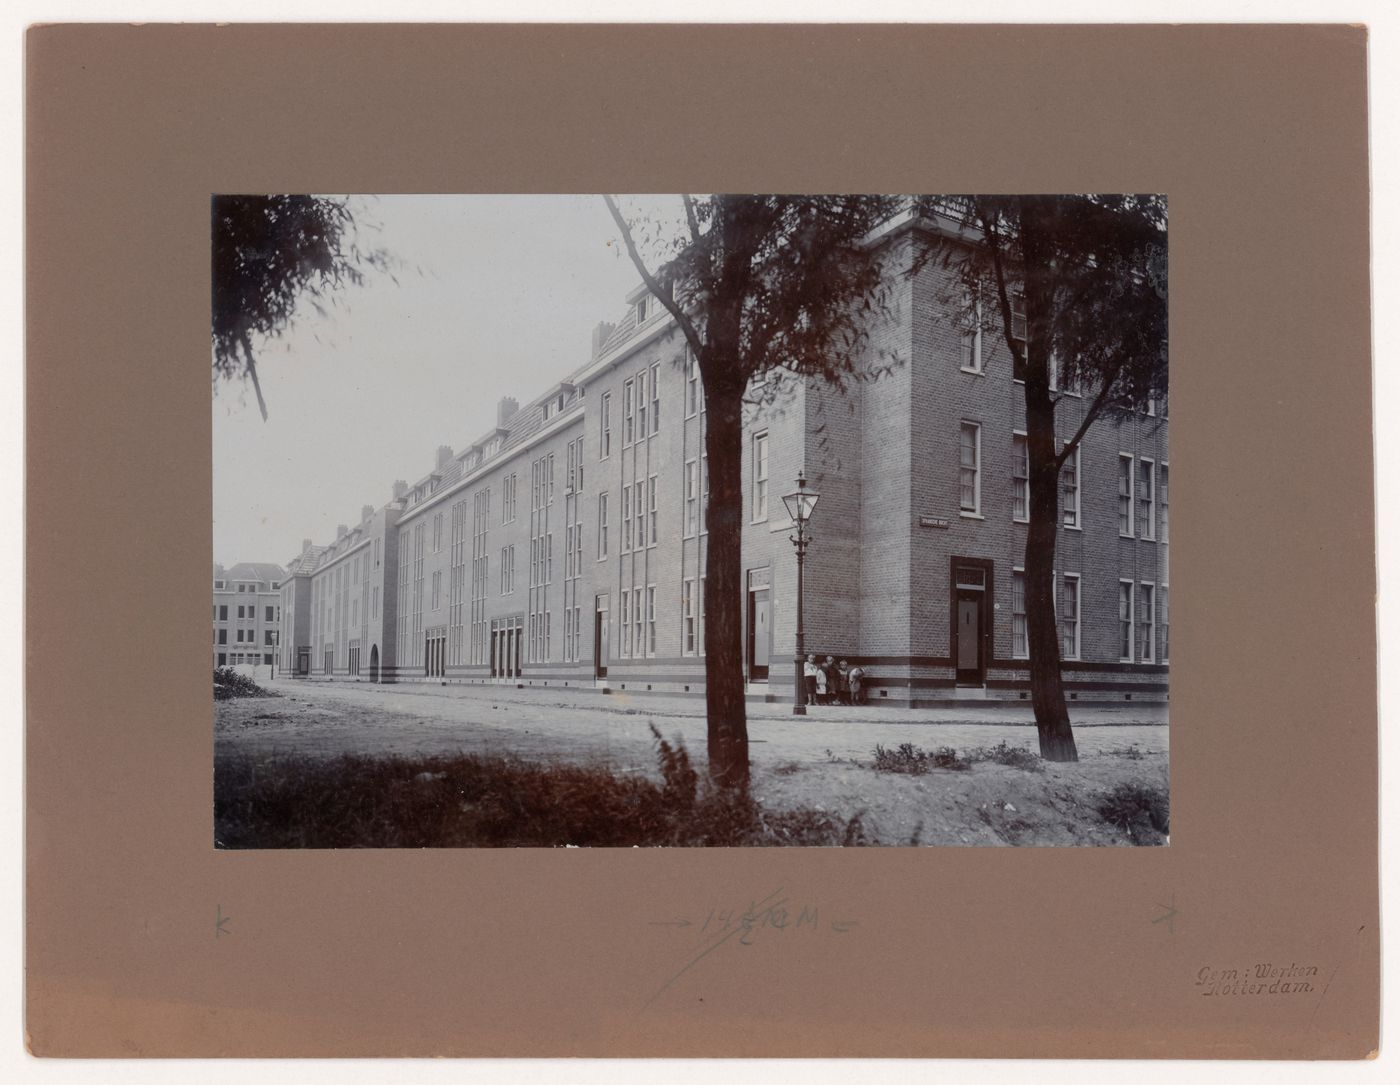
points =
(822, 760)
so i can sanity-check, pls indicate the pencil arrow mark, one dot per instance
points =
(1168, 915)
(221, 922)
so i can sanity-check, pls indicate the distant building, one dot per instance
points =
(247, 613)
(566, 544)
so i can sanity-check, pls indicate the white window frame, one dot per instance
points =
(652, 485)
(970, 343)
(692, 498)
(692, 384)
(1130, 620)
(1078, 614)
(655, 398)
(1130, 497)
(688, 624)
(1147, 624)
(605, 425)
(974, 513)
(1150, 501)
(758, 509)
(1065, 505)
(1020, 485)
(603, 526)
(1164, 623)
(1018, 576)
(651, 620)
(1018, 301)
(626, 519)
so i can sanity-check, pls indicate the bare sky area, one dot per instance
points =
(496, 295)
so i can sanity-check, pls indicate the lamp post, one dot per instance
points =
(800, 504)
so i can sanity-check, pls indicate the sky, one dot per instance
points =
(496, 295)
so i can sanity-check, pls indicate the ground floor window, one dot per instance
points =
(1069, 617)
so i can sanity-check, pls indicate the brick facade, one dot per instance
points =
(622, 436)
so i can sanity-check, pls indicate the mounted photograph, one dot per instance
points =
(690, 520)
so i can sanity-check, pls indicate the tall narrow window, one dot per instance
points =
(1125, 620)
(704, 491)
(626, 597)
(656, 397)
(602, 526)
(1147, 499)
(1147, 623)
(692, 498)
(642, 405)
(1125, 495)
(651, 511)
(1020, 648)
(1069, 486)
(1162, 501)
(692, 385)
(629, 420)
(651, 620)
(640, 509)
(1069, 617)
(1163, 617)
(1020, 478)
(971, 345)
(688, 617)
(1018, 335)
(604, 425)
(760, 477)
(970, 469)
(626, 529)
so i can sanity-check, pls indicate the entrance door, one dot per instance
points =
(374, 663)
(600, 637)
(303, 661)
(969, 638)
(760, 616)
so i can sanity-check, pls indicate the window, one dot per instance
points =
(602, 526)
(508, 499)
(626, 518)
(507, 569)
(626, 623)
(1147, 623)
(704, 492)
(656, 397)
(651, 511)
(218, 585)
(651, 620)
(643, 307)
(240, 614)
(1162, 503)
(970, 469)
(1069, 487)
(639, 509)
(1020, 647)
(223, 636)
(692, 385)
(1147, 499)
(374, 604)
(238, 636)
(760, 477)
(692, 498)
(1020, 478)
(1069, 616)
(1018, 335)
(1162, 619)
(605, 425)
(688, 617)
(971, 346)
(1125, 495)
(1125, 620)
(641, 405)
(437, 541)
(267, 636)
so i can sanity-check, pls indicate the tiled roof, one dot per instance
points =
(255, 570)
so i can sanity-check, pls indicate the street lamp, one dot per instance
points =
(800, 504)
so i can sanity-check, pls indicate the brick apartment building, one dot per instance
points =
(247, 613)
(566, 545)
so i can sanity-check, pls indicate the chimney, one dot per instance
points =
(400, 488)
(305, 545)
(366, 511)
(600, 336)
(444, 453)
(340, 531)
(505, 410)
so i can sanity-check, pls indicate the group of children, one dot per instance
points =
(833, 683)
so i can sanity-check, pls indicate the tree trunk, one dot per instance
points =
(1042, 533)
(728, 734)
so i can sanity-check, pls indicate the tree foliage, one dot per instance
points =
(757, 283)
(269, 254)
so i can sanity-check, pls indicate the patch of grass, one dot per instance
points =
(1140, 810)
(228, 683)
(913, 761)
(1017, 757)
(787, 768)
(487, 801)
(1132, 753)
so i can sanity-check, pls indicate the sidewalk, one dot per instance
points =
(416, 696)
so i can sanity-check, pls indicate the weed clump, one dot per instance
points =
(228, 684)
(1142, 811)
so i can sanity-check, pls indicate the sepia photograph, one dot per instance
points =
(690, 520)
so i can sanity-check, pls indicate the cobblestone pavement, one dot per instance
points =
(329, 718)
